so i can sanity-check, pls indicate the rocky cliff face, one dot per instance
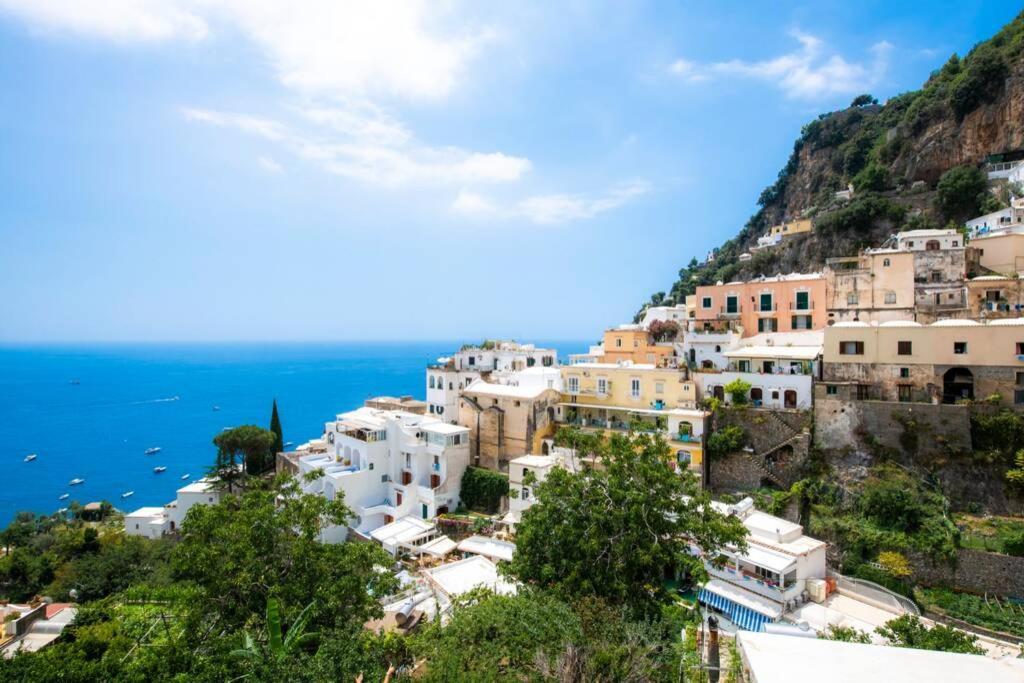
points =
(894, 154)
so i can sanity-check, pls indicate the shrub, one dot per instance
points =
(980, 83)
(871, 177)
(738, 391)
(961, 191)
(1014, 545)
(482, 489)
(725, 441)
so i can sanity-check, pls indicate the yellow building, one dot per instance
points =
(876, 286)
(616, 396)
(1001, 252)
(633, 343)
(792, 227)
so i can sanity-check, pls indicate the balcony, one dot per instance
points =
(806, 306)
(730, 311)
(755, 584)
(770, 308)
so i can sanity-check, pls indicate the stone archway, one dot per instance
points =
(957, 384)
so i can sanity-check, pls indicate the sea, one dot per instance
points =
(90, 412)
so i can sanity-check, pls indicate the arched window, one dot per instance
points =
(431, 385)
(886, 263)
(932, 245)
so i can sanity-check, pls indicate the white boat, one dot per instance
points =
(62, 511)
(288, 443)
(185, 476)
(128, 494)
(76, 481)
(216, 408)
(153, 450)
(30, 457)
(158, 470)
(65, 496)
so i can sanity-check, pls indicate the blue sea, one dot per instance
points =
(91, 412)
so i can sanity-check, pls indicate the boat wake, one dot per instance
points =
(155, 400)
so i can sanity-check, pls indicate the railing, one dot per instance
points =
(754, 585)
(724, 310)
(795, 306)
(760, 308)
(880, 595)
(781, 370)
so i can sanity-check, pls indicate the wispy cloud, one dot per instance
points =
(552, 209)
(811, 72)
(124, 21)
(350, 144)
(269, 165)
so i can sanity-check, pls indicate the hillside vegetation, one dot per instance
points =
(912, 162)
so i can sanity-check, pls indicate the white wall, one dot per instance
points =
(767, 383)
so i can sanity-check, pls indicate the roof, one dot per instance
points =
(438, 547)
(201, 486)
(769, 559)
(790, 352)
(488, 547)
(900, 323)
(401, 530)
(535, 460)
(775, 658)
(146, 512)
(443, 428)
(938, 232)
(956, 322)
(743, 597)
(1006, 322)
(463, 576)
(630, 365)
(482, 387)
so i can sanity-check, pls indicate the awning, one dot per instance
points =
(726, 598)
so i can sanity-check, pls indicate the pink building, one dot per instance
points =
(785, 303)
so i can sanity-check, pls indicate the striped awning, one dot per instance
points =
(744, 617)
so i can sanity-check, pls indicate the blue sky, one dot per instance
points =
(259, 170)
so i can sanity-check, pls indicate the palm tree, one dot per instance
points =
(279, 644)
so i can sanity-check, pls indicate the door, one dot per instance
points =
(789, 398)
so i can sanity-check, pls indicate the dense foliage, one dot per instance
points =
(987, 612)
(726, 440)
(482, 489)
(612, 531)
(249, 446)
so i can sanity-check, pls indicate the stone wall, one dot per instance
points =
(778, 443)
(974, 571)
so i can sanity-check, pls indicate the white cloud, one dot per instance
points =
(123, 21)
(563, 208)
(812, 72)
(269, 165)
(351, 145)
(473, 204)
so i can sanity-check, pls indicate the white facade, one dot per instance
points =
(388, 465)
(1004, 219)
(154, 522)
(449, 376)
(705, 350)
(779, 366)
(774, 570)
(537, 465)
(663, 314)
(924, 240)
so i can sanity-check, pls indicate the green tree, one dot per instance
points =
(613, 530)
(738, 390)
(863, 100)
(726, 440)
(909, 631)
(960, 192)
(845, 634)
(482, 489)
(266, 543)
(247, 445)
(275, 427)
(279, 644)
(1015, 475)
(872, 177)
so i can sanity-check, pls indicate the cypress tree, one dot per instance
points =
(275, 426)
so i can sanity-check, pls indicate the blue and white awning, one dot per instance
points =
(745, 617)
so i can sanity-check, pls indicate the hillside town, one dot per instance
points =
(929, 321)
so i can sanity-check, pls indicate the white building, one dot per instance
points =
(997, 221)
(389, 465)
(705, 349)
(154, 522)
(450, 375)
(773, 658)
(678, 313)
(493, 549)
(779, 366)
(519, 471)
(929, 240)
(772, 577)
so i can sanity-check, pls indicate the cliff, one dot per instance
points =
(894, 155)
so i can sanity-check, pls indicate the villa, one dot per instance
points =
(154, 522)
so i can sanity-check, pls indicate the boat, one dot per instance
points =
(185, 476)
(75, 382)
(216, 408)
(288, 443)
(128, 494)
(65, 496)
(158, 470)
(30, 457)
(153, 450)
(62, 511)
(76, 481)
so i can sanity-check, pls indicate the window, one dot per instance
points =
(744, 366)
(574, 385)
(766, 302)
(431, 408)
(831, 389)
(618, 342)
(1018, 397)
(1020, 378)
(851, 348)
(903, 392)
(767, 325)
(936, 276)
(890, 297)
(515, 403)
(904, 373)
(959, 348)
(634, 387)
(431, 382)
(732, 304)
(801, 322)
(472, 361)
(904, 348)
(956, 243)
(705, 302)
(659, 387)
(1020, 348)
(440, 409)
(371, 465)
(886, 263)
(851, 299)
(525, 493)
(602, 385)
(803, 301)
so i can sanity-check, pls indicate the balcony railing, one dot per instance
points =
(797, 306)
(770, 308)
(727, 310)
(777, 370)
